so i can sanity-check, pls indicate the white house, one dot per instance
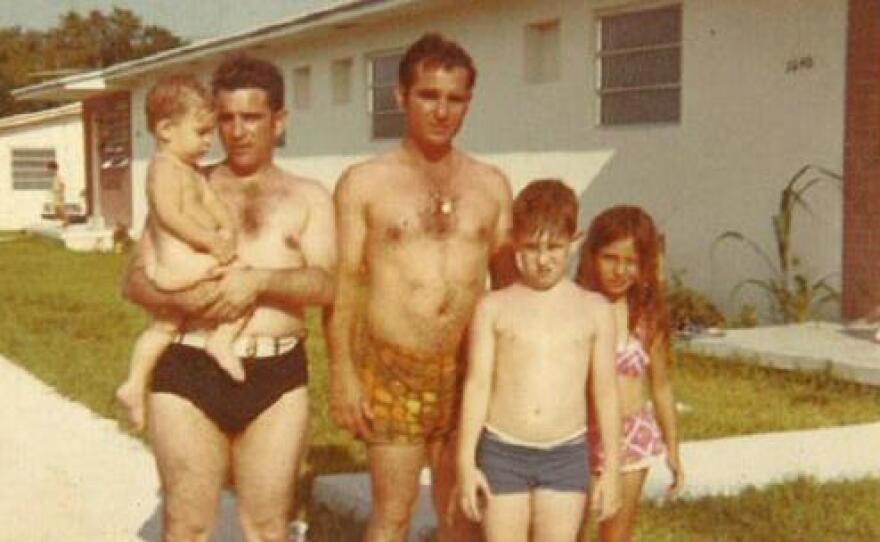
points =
(698, 110)
(28, 143)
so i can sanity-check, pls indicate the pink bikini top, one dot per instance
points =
(632, 360)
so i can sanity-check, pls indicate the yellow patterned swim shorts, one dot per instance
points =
(414, 399)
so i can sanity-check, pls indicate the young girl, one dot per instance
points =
(620, 258)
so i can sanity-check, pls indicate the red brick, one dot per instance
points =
(861, 249)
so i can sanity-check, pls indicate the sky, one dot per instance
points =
(189, 19)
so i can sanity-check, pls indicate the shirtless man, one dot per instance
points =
(417, 228)
(204, 427)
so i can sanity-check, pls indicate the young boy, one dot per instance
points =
(522, 455)
(191, 229)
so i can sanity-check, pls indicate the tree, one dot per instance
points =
(77, 43)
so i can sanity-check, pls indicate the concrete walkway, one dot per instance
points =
(66, 474)
(848, 352)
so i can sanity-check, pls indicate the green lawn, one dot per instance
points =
(66, 323)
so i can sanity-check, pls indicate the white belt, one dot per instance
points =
(246, 347)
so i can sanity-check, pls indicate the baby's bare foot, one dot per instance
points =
(131, 397)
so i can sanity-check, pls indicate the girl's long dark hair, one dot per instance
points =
(646, 300)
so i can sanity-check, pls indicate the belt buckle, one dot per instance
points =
(250, 348)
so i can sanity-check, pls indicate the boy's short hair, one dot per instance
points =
(545, 205)
(172, 96)
(433, 50)
(243, 71)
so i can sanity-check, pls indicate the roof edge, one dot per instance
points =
(292, 25)
(25, 119)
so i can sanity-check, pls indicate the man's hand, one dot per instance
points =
(237, 293)
(606, 495)
(196, 299)
(348, 407)
(223, 248)
(473, 492)
(191, 301)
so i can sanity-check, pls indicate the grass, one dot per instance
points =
(728, 398)
(796, 511)
(72, 330)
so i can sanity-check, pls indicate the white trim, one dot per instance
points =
(27, 119)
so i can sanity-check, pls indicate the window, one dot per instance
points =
(388, 119)
(639, 66)
(302, 87)
(542, 50)
(30, 169)
(341, 74)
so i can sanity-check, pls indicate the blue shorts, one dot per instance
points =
(512, 468)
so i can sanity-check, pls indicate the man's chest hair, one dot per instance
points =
(262, 210)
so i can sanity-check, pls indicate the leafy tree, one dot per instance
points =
(77, 43)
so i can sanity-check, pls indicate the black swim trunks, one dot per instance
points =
(193, 374)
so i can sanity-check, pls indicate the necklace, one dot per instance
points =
(441, 203)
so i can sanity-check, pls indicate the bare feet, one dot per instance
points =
(131, 397)
(226, 359)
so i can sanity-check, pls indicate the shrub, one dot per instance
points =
(688, 308)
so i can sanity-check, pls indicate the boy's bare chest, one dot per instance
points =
(543, 327)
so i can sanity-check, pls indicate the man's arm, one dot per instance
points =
(502, 265)
(139, 289)
(241, 288)
(604, 382)
(348, 407)
(475, 405)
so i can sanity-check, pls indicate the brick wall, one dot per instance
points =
(861, 245)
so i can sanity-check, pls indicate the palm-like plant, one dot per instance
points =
(794, 295)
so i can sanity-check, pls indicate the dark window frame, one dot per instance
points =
(623, 102)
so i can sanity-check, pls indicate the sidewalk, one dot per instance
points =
(848, 352)
(68, 475)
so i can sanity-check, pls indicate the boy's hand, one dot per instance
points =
(606, 495)
(473, 492)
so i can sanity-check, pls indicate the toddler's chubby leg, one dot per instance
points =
(220, 345)
(147, 349)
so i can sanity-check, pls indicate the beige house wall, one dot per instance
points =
(748, 120)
